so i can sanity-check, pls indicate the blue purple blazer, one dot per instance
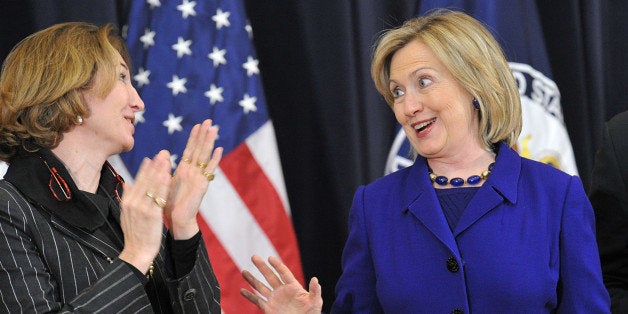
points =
(525, 244)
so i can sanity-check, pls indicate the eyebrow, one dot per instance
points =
(124, 66)
(416, 72)
(421, 69)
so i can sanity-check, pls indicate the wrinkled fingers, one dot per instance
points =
(267, 272)
(284, 272)
(256, 284)
(253, 298)
(198, 150)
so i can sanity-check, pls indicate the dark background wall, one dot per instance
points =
(333, 130)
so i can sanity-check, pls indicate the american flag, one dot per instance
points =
(195, 60)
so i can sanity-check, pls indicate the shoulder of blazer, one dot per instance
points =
(9, 193)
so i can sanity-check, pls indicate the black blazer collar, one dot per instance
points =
(29, 173)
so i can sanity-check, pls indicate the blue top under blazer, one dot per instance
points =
(524, 244)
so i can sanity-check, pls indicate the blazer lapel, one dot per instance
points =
(500, 187)
(427, 209)
(424, 205)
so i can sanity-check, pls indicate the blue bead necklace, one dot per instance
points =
(457, 182)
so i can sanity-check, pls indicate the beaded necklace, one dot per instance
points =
(457, 182)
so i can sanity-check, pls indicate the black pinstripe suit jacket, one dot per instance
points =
(55, 258)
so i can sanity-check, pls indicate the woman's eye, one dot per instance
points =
(424, 82)
(123, 77)
(397, 92)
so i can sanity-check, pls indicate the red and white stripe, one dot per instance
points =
(245, 212)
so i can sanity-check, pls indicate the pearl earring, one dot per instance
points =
(79, 120)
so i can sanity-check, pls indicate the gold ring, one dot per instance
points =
(210, 176)
(201, 165)
(185, 159)
(150, 194)
(160, 202)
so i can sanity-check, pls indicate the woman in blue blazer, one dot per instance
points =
(470, 227)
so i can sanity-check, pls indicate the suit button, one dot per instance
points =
(457, 311)
(189, 295)
(452, 264)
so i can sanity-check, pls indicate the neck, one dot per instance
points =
(83, 167)
(463, 166)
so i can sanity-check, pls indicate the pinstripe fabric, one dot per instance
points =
(48, 264)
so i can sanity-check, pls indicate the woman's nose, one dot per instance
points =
(412, 103)
(136, 102)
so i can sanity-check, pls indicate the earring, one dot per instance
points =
(79, 120)
(476, 104)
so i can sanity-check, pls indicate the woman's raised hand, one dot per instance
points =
(191, 180)
(141, 211)
(285, 294)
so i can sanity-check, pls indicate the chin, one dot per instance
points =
(426, 152)
(128, 147)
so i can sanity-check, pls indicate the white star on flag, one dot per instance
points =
(214, 94)
(139, 117)
(173, 161)
(248, 103)
(177, 85)
(148, 38)
(221, 19)
(142, 77)
(173, 123)
(153, 3)
(251, 66)
(218, 56)
(182, 47)
(249, 30)
(187, 8)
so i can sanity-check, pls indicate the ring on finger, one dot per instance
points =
(160, 202)
(201, 165)
(210, 176)
(185, 159)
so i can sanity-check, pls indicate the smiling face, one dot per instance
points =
(435, 111)
(110, 122)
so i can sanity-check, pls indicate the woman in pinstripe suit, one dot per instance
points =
(70, 240)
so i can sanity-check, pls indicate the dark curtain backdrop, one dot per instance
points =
(333, 130)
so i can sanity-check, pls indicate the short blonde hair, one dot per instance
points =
(42, 78)
(475, 59)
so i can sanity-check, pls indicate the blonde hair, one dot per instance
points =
(42, 78)
(475, 59)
